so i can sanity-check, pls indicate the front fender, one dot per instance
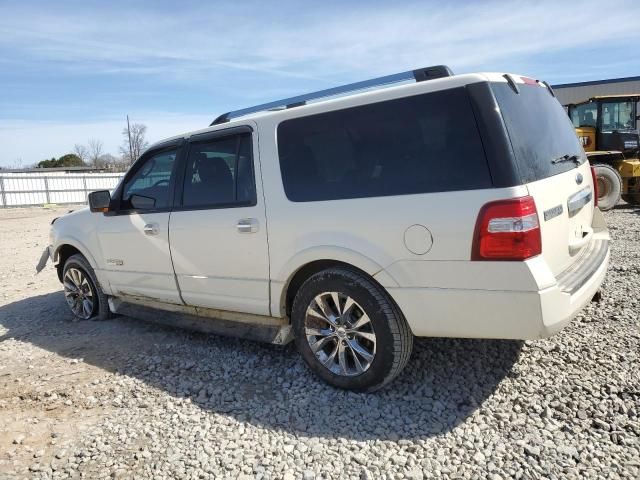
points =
(77, 244)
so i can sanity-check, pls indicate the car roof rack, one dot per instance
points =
(419, 75)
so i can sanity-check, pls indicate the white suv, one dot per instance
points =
(449, 206)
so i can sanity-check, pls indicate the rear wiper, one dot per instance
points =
(567, 158)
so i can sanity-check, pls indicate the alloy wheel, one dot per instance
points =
(79, 293)
(340, 334)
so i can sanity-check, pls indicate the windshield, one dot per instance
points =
(617, 116)
(540, 131)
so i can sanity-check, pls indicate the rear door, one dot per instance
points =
(218, 229)
(551, 162)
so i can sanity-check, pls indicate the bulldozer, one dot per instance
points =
(607, 128)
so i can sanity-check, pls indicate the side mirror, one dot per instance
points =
(99, 201)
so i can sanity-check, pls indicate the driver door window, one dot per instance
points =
(149, 188)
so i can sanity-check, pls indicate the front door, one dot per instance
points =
(218, 230)
(134, 236)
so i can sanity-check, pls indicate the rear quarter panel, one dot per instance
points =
(369, 233)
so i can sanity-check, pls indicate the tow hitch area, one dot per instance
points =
(597, 298)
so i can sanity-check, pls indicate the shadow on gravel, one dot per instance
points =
(268, 386)
(628, 206)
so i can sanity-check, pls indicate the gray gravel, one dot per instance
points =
(172, 404)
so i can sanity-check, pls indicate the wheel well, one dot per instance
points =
(64, 252)
(307, 271)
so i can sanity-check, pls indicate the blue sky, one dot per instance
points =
(71, 71)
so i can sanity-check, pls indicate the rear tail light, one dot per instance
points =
(595, 187)
(507, 230)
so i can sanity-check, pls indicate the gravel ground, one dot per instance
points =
(126, 399)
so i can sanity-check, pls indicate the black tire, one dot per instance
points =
(609, 186)
(631, 198)
(393, 338)
(100, 310)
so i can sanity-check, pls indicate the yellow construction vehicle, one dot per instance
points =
(606, 126)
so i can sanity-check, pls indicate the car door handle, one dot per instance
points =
(247, 225)
(151, 229)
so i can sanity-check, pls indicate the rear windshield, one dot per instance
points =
(539, 129)
(421, 144)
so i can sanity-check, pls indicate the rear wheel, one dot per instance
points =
(82, 290)
(632, 198)
(609, 186)
(349, 332)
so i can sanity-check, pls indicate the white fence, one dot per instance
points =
(23, 189)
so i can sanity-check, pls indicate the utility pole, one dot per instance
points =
(130, 146)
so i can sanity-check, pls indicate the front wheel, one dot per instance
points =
(82, 290)
(609, 186)
(348, 330)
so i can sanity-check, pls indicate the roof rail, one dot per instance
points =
(419, 75)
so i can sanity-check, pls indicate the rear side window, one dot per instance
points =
(539, 129)
(420, 144)
(219, 173)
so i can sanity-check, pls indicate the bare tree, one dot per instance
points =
(134, 142)
(108, 161)
(81, 151)
(95, 151)
(17, 165)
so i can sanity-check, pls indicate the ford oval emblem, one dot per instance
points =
(579, 178)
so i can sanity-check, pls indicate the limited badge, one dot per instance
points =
(552, 212)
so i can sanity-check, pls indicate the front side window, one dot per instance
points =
(420, 144)
(585, 115)
(149, 187)
(219, 173)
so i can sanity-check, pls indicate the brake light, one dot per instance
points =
(595, 187)
(507, 230)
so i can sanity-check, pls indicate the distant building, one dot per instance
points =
(578, 92)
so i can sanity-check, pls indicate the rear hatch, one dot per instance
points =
(552, 164)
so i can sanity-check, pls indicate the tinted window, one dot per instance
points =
(420, 144)
(148, 187)
(219, 172)
(539, 129)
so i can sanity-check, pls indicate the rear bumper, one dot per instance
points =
(562, 303)
(476, 313)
